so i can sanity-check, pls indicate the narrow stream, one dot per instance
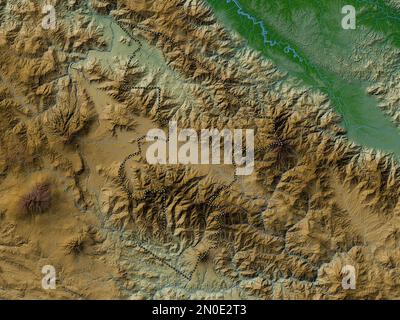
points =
(362, 118)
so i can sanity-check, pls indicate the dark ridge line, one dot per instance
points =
(162, 192)
(174, 44)
(121, 171)
(163, 261)
(123, 182)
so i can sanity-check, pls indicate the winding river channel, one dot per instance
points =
(364, 121)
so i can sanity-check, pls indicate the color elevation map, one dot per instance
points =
(200, 149)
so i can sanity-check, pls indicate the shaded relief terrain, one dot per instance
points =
(77, 193)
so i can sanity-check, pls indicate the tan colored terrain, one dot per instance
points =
(74, 102)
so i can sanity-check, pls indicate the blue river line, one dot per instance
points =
(328, 85)
(264, 32)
